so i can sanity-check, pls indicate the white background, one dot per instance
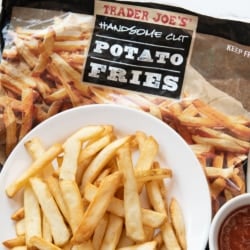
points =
(227, 9)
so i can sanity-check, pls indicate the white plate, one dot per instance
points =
(189, 183)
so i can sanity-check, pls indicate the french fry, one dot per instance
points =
(151, 245)
(37, 166)
(27, 116)
(54, 187)
(42, 244)
(242, 131)
(24, 51)
(152, 174)
(18, 214)
(47, 48)
(19, 248)
(132, 207)
(213, 172)
(20, 227)
(178, 223)
(88, 245)
(46, 231)
(159, 204)
(101, 160)
(33, 216)
(15, 242)
(217, 186)
(73, 201)
(147, 154)
(72, 147)
(220, 143)
(35, 148)
(155, 197)
(94, 148)
(124, 240)
(169, 237)
(100, 231)
(11, 129)
(116, 206)
(113, 233)
(97, 208)
(12, 84)
(59, 230)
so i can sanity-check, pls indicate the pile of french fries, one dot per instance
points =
(96, 190)
(40, 75)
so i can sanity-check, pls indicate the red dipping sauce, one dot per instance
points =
(234, 233)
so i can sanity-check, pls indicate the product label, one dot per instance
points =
(139, 49)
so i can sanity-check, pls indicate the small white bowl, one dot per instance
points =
(221, 215)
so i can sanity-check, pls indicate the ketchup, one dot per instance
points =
(234, 233)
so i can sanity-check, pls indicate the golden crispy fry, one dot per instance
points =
(12, 84)
(155, 197)
(47, 48)
(151, 245)
(88, 245)
(240, 130)
(20, 227)
(220, 143)
(19, 248)
(36, 167)
(213, 172)
(54, 187)
(42, 244)
(72, 147)
(100, 231)
(59, 230)
(94, 148)
(46, 231)
(218, 160)
(70, 45)
(159, 204)
(169, 237)
(102, 159)
(217, 186)
(73, 201)
(113, 233)
(124, 240)
(33, 217)
(152, 174)
(97, 208)
(132, 207)
(35, 148)
(15, 242)
(149, 217)
(27, 115)
(239, 182)
(25, 52)
(147, 154)
(11, 129)
(18, 214)
(178, 223)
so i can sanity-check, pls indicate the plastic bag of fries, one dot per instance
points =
(187, 69)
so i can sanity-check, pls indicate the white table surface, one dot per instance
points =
(228, 9)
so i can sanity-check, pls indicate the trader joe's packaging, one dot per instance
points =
(187, 69)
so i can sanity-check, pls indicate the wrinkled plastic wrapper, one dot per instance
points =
(44, 54)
